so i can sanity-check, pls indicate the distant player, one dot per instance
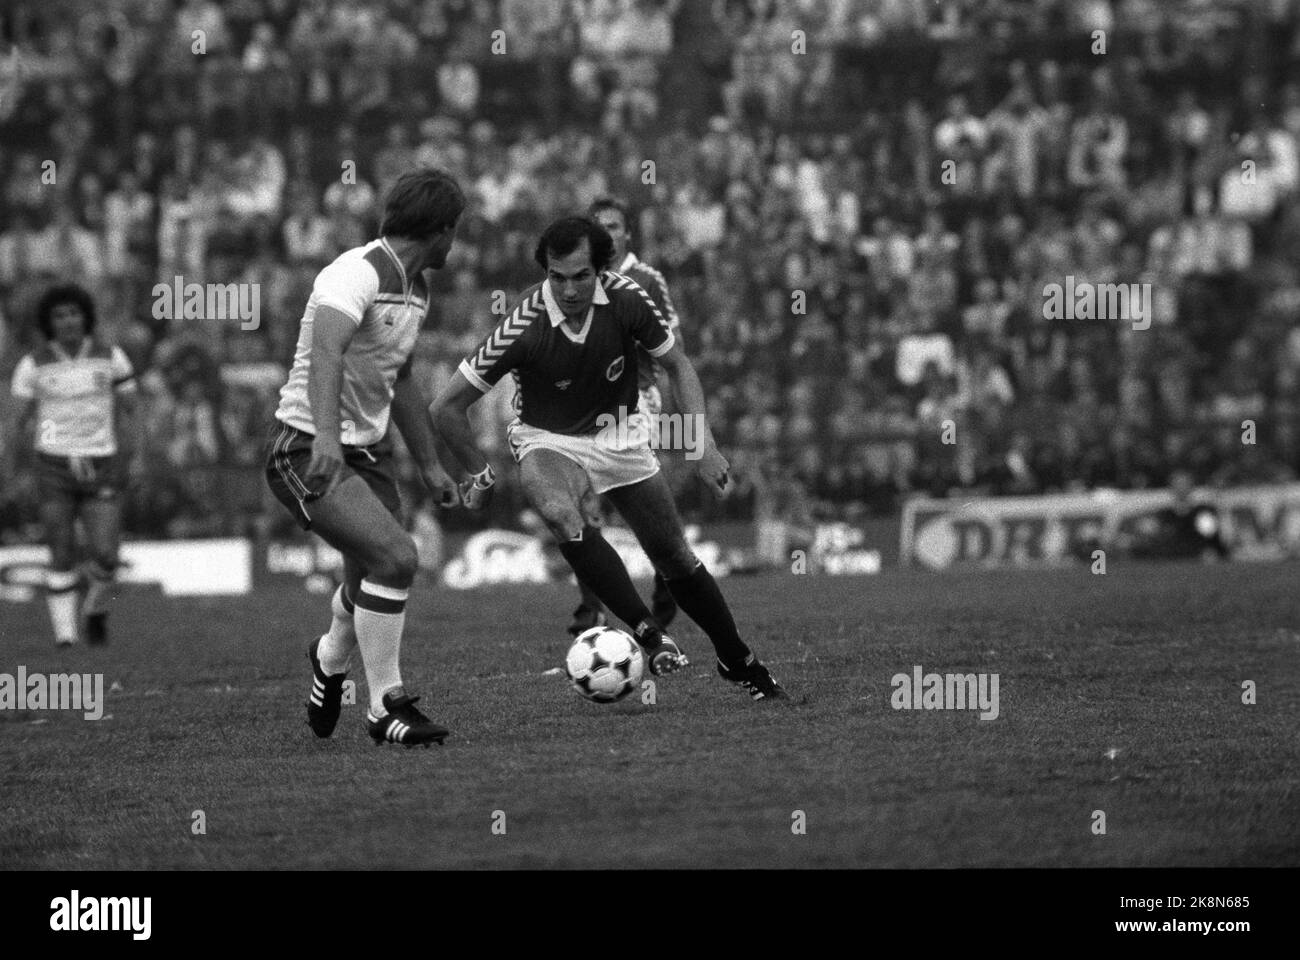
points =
(572, 345)
(613, 216)
(329, 459)
(79, 398)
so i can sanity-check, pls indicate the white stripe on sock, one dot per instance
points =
(383, 592)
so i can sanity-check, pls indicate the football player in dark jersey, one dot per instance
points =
(572, 344)
(614, 217)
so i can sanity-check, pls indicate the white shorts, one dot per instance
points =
(608, 463)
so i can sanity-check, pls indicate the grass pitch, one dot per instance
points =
(1119, 693)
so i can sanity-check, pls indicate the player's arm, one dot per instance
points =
(24, 436)
(449, 413)
(689, 394)
(500, 352)
(126, 419)
(664, 300)
(412, 423)
(450, 416)
(23, 390)
(651, 330)
(332, 331)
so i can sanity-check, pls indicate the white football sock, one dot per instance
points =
(379, 618)
(61, 598)
(335, 650)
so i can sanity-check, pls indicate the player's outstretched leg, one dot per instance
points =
(94, 610)
(648, 508)
(663, 606)
(554, 486)
(102, 520)
(61, 580)
(353, 521)
(61, 599)
(331, 657)
(590, 612)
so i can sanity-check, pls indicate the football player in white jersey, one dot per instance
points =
(78, 397)
(329, 458)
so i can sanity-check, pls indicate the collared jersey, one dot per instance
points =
(567, 380)
(74, 396)
(652, 282)
(369, 285)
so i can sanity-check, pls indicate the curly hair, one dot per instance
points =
(59, 295)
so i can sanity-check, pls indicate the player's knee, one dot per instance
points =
(396, 564)
(673, 559)
(564, 520)
(590, 509)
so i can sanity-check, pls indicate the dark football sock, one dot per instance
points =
(701, 600)
(599, 567)
(589, 598)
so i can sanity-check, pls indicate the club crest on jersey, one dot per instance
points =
(615, 370)
(562, 384)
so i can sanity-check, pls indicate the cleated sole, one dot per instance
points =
(666, 663)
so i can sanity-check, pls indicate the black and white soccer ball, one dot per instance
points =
(604, 664)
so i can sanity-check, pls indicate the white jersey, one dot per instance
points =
(74, 396)
(369, 285)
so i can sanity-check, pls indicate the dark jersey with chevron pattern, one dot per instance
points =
(568, 379)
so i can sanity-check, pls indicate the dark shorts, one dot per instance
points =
(288, 454)
(78, 478)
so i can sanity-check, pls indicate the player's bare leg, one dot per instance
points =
(555, 486)
(58, 516)
(353, 521)
(102, 520)
(649, 510)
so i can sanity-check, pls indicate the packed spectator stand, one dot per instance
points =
(858, 206)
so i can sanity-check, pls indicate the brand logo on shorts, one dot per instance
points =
(615, 370)
(562, 384)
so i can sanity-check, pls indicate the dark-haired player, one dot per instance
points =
(614, 217)
(79, 397)
(329, 459)
(572, 345)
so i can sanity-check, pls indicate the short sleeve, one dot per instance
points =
(658, 291)
(349, 286)
(648, 325)
(123, 372)
(505, 348)
(23, 386)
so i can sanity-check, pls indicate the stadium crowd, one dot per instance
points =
(858, 206)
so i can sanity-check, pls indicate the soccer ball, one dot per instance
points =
(604, 664)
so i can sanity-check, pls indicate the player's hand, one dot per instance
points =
(444, 489)
(476, 492)
(713, 469)
(326, 467)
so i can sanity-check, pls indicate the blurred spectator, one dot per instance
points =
(919, 194)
